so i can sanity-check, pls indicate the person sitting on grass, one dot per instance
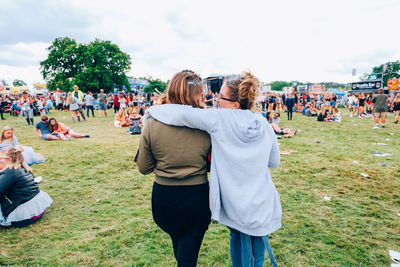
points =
(310, 112)
(42, 130)
(278, 130)
(9, 140)
(120, 120)
(64, 132)
(135, 122)
(21, 201)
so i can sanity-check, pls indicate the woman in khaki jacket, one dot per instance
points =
(178, 158)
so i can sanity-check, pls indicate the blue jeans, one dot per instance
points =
(249, 251)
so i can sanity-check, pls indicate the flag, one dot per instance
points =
(354, 71)
(384, 68)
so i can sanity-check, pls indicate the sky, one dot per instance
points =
(308, 40)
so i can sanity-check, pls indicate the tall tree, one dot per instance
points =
(4, 82)
(392, 71)
(155, 84)
(17, 82)
(98, 65)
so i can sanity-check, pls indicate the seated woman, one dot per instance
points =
(9, 140)
(278, 130)
(120, 120)
(324, 115)
(135, 122)
(63, 132)
(21, 201)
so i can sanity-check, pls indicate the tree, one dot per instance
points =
(155, 84)
(278, 85)
(4, 82)
(392, 71)
(17, 82)
(97, 65)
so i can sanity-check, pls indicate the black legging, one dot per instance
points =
(289, 113)
(116, 108)
(183, 212)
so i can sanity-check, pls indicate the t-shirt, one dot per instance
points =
(43, 127)
(49, 103)
(102, 99)
(89, 100)
(380, 104)
(276, 121)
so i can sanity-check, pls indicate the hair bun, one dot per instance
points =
(248, 90)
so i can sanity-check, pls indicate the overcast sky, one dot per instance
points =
(308, 40)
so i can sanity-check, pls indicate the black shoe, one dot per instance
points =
(87, 135)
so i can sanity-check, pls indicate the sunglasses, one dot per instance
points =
(227, 99)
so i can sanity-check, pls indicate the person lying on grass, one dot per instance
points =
(21, 201)
(278, 130)
(63, 131)
(9, 140)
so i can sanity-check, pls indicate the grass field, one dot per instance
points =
(101, 214)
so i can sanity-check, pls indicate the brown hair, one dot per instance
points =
(16, 157)
(54, 127)
(244, 89)
(185, 88)
(6, 128)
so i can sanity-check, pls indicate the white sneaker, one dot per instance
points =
(376, 127)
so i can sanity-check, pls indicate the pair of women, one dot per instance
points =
(21, 201)
(241, 194)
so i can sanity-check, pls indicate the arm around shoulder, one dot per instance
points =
(144, 158)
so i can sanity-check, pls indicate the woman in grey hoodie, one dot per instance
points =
(242, 194)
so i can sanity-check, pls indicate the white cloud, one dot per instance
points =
(278, 40)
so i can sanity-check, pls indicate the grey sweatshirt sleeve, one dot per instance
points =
(274, 156)
(181, 115)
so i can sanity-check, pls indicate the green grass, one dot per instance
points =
(101, 215)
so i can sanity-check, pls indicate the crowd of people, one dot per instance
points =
(233, 122)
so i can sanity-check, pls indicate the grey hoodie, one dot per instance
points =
(244, 146)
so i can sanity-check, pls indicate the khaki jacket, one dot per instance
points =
(176, 155)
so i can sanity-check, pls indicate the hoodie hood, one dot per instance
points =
(246, 125)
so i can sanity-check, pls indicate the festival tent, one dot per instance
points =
(336, 91)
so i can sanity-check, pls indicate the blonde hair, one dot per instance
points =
(16, 157)
(185, 88)
(69, 98)
(397, 98)
(244, 89)
(6, 128)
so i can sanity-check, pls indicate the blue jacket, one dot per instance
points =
(290, 102)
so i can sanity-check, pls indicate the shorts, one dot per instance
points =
(333, 104)
(46, 138)
(102, 106)
(327, 103)
(380, 114)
